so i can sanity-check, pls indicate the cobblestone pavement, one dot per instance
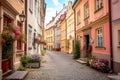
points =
(61, 66)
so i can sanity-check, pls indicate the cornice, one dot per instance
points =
(95, 23)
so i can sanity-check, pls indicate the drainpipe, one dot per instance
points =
(26, 25)
(74, 23)
(111, 46)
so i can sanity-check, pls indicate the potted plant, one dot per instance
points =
(34, 61)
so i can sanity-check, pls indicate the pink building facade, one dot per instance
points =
(115, 11)
(92, 27)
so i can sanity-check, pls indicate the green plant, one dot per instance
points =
(24, 60)
(21, 68)
(76, 50)
(43, 52)
(7, 46)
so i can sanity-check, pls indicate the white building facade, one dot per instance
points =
(33, 26)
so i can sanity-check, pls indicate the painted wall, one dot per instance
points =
(115, 5)
(92, 23)
(63, 35)
(33, 24)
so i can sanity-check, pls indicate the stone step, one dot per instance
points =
(81, 61)
(119, 74)
(114, 77)
(17, 75)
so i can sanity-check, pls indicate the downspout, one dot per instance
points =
(111, 46)
(74, 23)
(26, 25)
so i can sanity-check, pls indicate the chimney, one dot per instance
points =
(56, 12)
(53, 18)
(63, 5)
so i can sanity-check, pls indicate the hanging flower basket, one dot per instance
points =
(37, 40)
(9, 35)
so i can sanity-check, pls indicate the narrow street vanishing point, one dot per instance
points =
(61, 66)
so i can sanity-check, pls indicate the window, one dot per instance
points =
(19, 42)
(98, 4)
(99, 37)
(86, 11)
(118, 37)
(34, 36)
(31, 5)
(30, 37)
(35, 8)
(78, 17)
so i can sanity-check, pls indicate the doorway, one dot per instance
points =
(86, 45)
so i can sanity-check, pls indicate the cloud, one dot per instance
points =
(50, 13)
(56, 2)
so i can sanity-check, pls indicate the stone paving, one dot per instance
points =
(61, 66)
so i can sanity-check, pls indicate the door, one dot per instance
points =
(86, 45)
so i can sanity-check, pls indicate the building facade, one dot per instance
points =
(92, 27)
(49, 37)
(70, 27)
(35, 22)
(57, 28)
(115, 6)
(9, 13)
(63, 33)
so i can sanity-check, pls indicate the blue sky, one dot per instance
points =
(52, 7)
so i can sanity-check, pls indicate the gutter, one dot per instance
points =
(111, 45)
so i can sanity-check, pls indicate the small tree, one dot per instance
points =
(76, 49)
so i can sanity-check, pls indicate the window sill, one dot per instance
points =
(98, 10)
(30, 11)
(79, 23)
(86, 18)
(101, 47)
(118, 46)
(19, 52)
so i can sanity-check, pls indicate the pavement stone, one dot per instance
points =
(61, 66)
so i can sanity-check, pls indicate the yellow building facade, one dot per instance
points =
(49, 38)
(63, 33)
(70, 28)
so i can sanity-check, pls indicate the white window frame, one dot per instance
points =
(99, 35)
(98, 4)
(86, 10)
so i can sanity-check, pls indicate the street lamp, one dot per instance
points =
(22, 16)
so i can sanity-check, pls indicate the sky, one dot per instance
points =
(52, 7)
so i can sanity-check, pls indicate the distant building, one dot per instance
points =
(115, 11)
(63, 33)
(57, 27)
(49, 37)
(70, 27)
(55, 23)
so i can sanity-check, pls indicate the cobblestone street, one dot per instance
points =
(60, 66)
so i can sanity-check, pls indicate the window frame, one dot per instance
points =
(31, 6)
(97, 35)
(86, 10)
(100, 5)
(78, 17)
(19, 42)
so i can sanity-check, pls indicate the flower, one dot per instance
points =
(35, 56)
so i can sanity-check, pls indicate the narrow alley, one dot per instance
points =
(60, 66)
